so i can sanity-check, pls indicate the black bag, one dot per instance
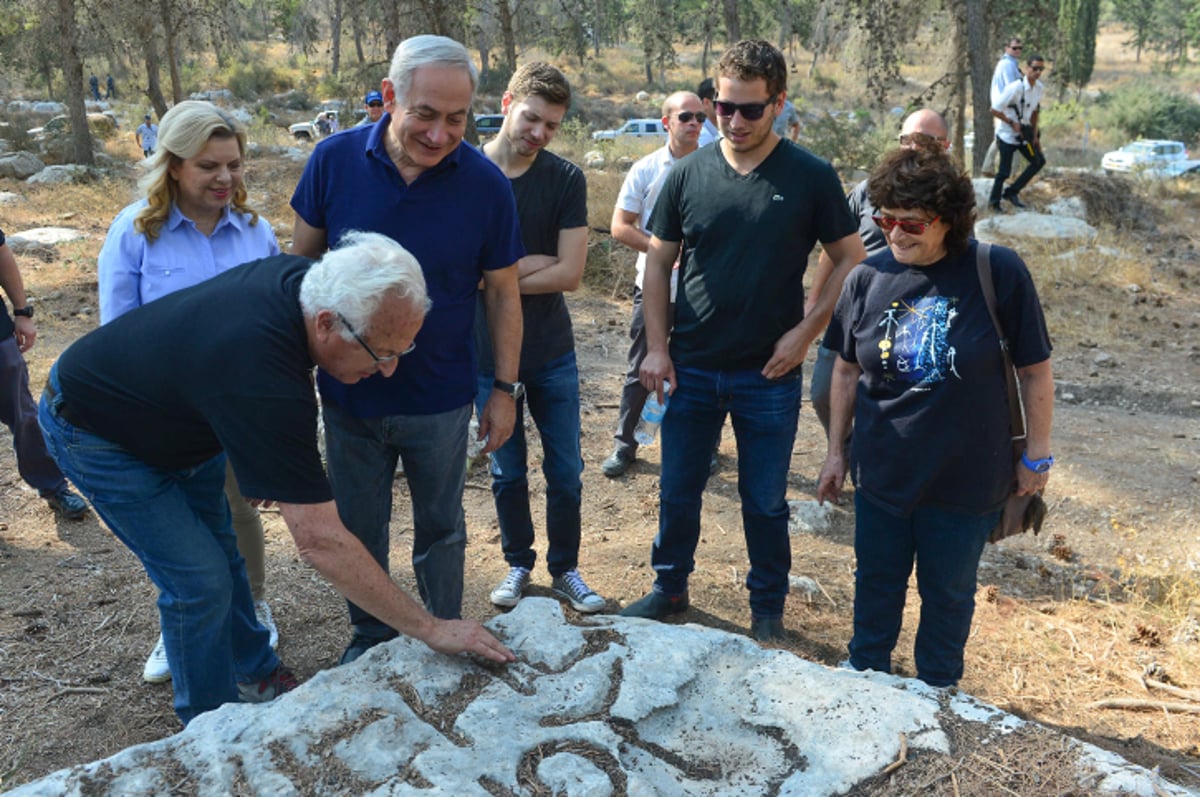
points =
(1021, 512)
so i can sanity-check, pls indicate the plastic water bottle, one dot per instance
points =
(652, 416)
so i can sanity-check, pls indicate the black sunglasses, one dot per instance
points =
(687, 116)
(750, 111)
(375, 104)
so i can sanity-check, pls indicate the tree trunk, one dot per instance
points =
(981, 80)
(172, 55)
(153, 86)
(335, 37)
(507, 35)
(961, 59)
(733, 25)
(81, 137)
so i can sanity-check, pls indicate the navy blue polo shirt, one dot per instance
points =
(459, 219)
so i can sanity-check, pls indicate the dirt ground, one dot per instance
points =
(1103, 605)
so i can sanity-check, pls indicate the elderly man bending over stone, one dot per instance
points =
(141, 413)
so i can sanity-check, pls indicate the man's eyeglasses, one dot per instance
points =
(922, 140)
(750, 111)
(378, 360)
(1015, 47)
(687, 116)
(1037, 69)
(374, 104)
(887, 224)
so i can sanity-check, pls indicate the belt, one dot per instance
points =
(59, 407)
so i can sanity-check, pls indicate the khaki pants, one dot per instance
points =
(247, 525)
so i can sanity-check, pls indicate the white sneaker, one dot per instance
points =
(571, 587)
(157, 670)
(263, 612)
(512, 587)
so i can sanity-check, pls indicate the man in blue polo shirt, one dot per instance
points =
(409, 178)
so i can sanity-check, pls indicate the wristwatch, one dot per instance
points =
(26, 311)
(514, 389)
(1037, 465)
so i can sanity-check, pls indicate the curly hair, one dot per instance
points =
(917, 179)
(184, 131)
(751, 59)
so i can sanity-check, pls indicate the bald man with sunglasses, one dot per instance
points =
(742, 217)
(922, 129)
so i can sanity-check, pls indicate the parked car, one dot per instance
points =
(488, 124)
(634, 128)
(323, 124)
(102, 125)
(1151, 157)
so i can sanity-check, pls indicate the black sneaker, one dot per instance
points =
(616, 464)
(67, 505)
(280, 680)
(656, 606)
(360, 644)
(996, 207)
(1016, 201)
(767, 629)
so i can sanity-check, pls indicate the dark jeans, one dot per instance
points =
(20, 415)
(633, 395)
(946, 547)
(177, 524)
(1006, 158)
(552, 395)
(764, 415)
(362, 455)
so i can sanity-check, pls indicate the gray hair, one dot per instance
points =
(358, 275)
(418, 51)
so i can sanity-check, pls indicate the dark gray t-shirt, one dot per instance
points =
(931, 420)
(746, 241)
(551, 196)
(872, 237)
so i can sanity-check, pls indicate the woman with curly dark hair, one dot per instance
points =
(921, 373)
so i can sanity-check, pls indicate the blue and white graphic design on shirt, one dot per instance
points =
(915, 347)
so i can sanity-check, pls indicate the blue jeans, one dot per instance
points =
(177, 524)
(946, 547)
(553, 398)
(362, 454)
(764, 414)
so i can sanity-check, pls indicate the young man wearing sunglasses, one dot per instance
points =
(551, 195)
(742, 215)
(683, 117)
(1008, 70)
(1016, 123)
(373, 105)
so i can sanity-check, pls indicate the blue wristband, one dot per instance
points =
(1036, 465)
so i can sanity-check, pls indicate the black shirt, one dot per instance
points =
(223, 365)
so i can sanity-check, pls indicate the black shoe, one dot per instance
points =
(1016, 201)
(360, 644)
(617, 463)
(67, 505)
(656, 606)
(767, 629)
(996, 208)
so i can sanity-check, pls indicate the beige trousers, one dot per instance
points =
(247, 525)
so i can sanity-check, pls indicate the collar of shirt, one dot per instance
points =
(228, 218)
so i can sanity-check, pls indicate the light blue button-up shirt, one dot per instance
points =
(133, 271)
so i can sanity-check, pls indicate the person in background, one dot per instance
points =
(1008, 70)
(94, 87)
(921, 372)
(146, 136)
(683, 118)
(1016, 118)
(18, 333)
(787, 123)
(193, 224)
(409, 178)
(110, 88)
(143, 412)
(707, 91)
(551, 198)
(922, 129)
(373, 105)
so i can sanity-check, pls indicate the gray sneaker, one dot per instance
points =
(570, 586)
(511, 589)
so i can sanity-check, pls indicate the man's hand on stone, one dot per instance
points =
(467, 636)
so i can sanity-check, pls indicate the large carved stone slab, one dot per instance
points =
(610, 707)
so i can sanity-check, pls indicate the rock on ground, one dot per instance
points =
(613, 706)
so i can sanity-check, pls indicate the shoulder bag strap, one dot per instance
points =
(983, 262)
